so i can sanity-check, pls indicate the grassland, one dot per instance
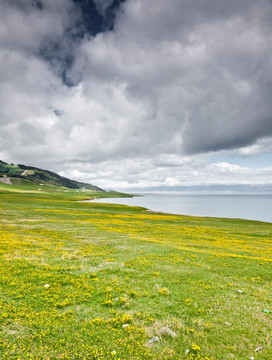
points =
(14, 173)
(97, 281)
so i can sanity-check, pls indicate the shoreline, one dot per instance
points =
(120, 201)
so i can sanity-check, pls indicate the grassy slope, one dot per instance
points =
(39, 176)
(110, 265)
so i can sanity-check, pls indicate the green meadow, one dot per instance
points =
(85, 280)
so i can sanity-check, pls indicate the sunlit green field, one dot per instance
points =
(96, 281)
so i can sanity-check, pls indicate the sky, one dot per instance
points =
(136, 94)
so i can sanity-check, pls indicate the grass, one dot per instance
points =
(37, 176)
(100, 281)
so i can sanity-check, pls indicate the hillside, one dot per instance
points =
(8, 172)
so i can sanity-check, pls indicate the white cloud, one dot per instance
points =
(261, 146)
(167, 83)
(23, 28)
(144, 173)
(225, 167)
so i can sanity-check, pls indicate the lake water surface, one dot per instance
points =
(242, 206)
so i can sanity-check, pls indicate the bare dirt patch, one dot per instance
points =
(5, 180)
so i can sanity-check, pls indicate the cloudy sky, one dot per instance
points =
(138, 93)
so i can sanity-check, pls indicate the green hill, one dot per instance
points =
(9, 174)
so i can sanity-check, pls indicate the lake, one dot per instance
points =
(242, 206)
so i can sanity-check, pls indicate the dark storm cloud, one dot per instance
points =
(204, 67)
(52, 29)
(132, 80)
(198, 70)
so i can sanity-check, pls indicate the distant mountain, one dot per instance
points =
(207, 189)
(38, 176)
